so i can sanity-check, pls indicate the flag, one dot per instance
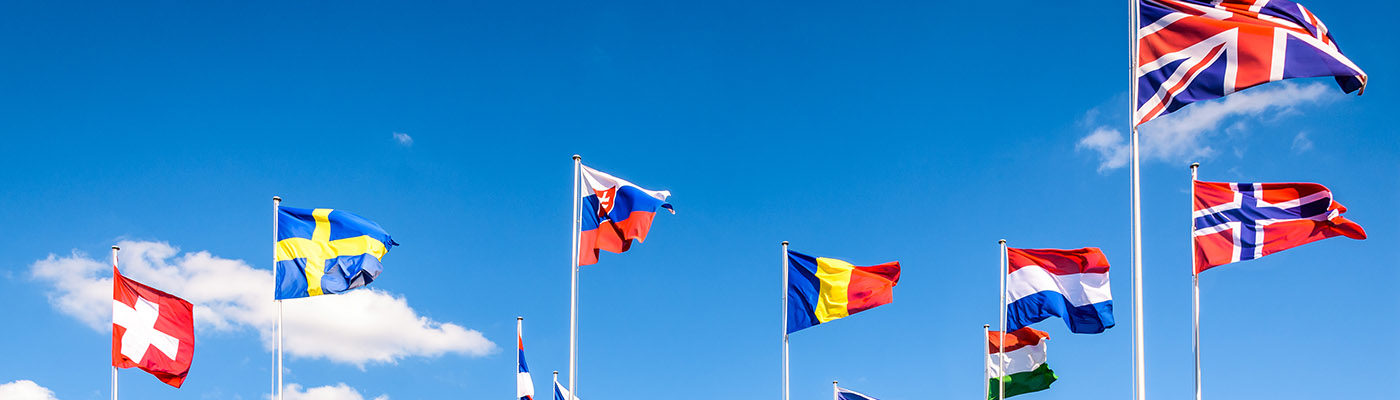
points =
(614, 212)
(822, 289)
(1070, 284)
(1193, 50)
(1024, 358)
(847, 394)
(561, 393)
(151, 330)
(1243, 221)
(524, 386)
(324, 251)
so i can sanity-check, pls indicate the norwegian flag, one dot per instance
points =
(151, 330)
(1193, 50)
(1243, 221)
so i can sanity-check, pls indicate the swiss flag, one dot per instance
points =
(151, 330)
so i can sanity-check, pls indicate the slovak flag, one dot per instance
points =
(1070, 284)
(524, 386)
(1243, 221)
(614, 212)
(151, 330)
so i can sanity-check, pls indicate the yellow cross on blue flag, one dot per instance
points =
(325, 251)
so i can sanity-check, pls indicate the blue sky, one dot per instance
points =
(913, 132)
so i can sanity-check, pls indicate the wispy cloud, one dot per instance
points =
(339, 391)
(25, 390)
(367, 325)
(1184, 134)
(1301, 143)
(403, 138)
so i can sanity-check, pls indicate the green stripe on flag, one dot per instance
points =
(1023, 382)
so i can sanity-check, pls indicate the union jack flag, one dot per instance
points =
(1243, 221)
(1193, 50)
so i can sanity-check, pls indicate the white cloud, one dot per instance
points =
(25, 390)
(403, 139)
(1180, 136)
(1301, 143)
(339, 391)
(358, 327)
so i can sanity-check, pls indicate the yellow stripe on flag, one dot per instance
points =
(835, 276)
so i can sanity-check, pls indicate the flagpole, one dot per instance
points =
(276, 207)
(520, 337)
(573, 292)
(1195, 288)
(981, 345)
(1001, 339)
(556, 384)
(785, 320)
(114, 269)
(1139, 363)
(835, 392)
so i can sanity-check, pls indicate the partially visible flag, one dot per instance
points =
(151, 330)
(561, 393)
(1024, 358)
(1243, 221)
(614, 213)
(822, 289)
(847, 394)
(524, 386)
(1070, 284)
(324, 251)
(1193, 50)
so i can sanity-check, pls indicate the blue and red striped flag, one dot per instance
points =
(614, 213)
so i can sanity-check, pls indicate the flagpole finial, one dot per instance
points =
(519, 318)
(114, 247)
(276, 198)
(577, 157)
(1002, 241)
(1195, 164)
(985, 326)
(785, 243)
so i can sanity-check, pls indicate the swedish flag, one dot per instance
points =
(325, 251)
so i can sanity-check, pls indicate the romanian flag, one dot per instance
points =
(324, 251)
(822, 289)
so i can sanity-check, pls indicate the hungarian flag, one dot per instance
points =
(1018, 360)
(151, 330)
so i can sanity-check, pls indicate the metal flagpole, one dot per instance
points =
(276, 207)
(785, 320)
(1195, 288)
(1001, 339)
(835, 391)
(556, 384)
(1139, 363)
(520, 337)
(982, 345)
(573, 292)
(114, 269)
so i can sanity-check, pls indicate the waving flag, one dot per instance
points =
(151, 330)
(561, 393)
(1070, 284)
(524, 386)
(1193, 50)
(822, 289)
(1243, 221)
(614, 213)
(847, 394)
(1024, 360)
(324, 251)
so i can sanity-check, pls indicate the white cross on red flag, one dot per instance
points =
(151, 330)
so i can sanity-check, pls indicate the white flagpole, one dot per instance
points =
(276, 204)
(1195, 288)
(520, 337)
(556, 384)
(1139, 358)
(982, 346)
(835, 391)
(1001, 339)
(114, 367)
(573, 296)
(785, 320)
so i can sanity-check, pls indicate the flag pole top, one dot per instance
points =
(785, 243)
(519, 318)
(1195, 164)
(576, 157)
(114, 247)
(276, 198)
(985, 326)
(1002, 241)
